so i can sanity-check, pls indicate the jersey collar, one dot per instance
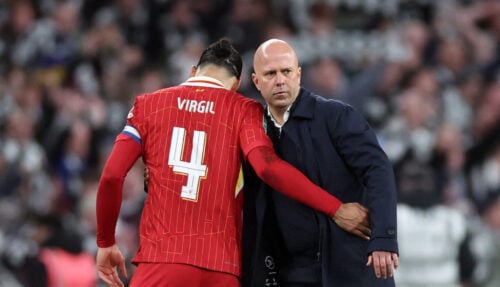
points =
(203, 81)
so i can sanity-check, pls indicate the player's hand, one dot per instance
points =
(383, 262)
(108, 259)
(354, 218)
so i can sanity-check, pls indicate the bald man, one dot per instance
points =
(335, 147)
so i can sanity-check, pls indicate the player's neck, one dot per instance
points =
(220, 74)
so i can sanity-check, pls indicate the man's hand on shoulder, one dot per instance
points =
(354, 218)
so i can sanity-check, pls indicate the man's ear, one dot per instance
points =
(193, 71)
(299, 70)
(255, 81)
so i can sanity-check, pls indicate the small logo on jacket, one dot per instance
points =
(270, 276)
(269, 262)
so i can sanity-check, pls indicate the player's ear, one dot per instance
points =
(193, 71)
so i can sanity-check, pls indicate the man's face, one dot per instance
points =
(277, 76)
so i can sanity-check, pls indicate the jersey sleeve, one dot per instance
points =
(127, 148)
(134, 128)
(259, 151)
(285, 178)
(109, 193)
(252, 133)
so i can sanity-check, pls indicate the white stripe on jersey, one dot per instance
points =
(132, 132)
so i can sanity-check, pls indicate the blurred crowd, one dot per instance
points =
(426, 74)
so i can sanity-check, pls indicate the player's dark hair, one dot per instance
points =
(222, 53)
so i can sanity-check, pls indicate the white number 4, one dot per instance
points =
(194, 169)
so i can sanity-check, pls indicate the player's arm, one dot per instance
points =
(109, 197)
(125, 152)
(285, 178)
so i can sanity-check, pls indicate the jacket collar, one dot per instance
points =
(303, 107)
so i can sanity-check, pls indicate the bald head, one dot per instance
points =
(273, 49)
(276, 74)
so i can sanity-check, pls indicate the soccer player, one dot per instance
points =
(193, 139)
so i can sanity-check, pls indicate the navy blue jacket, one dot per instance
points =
(335, 147)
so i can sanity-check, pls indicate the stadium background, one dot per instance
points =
(426, 74)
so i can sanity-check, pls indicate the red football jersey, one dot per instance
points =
(193, 138)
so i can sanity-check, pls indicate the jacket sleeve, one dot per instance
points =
(358, 146)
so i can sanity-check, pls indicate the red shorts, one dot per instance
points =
(180, 275)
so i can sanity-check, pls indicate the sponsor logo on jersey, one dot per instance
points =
(130, 113)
